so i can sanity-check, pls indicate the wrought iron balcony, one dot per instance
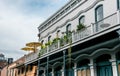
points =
(93, 29)
(31, 56)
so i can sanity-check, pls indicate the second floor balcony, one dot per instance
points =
(103, 26)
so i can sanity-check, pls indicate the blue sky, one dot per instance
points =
(19, 20)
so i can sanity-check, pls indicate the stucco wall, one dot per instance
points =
(87, 9)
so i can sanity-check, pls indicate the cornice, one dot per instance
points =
(59, 11)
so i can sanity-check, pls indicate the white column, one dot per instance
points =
(75, 69)
(92, 68)
(44, 72)
(58, 43)
(52, 71)
(92, 28)
(62, 71)
(114, 65)
(73, 36)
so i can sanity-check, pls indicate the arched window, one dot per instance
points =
(49, 38)
(68, 29)
(42, 42)
(58, 34)
(82, 20)
(99, 17)
(99, 13)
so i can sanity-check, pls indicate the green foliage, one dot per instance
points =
(48, 43)
(80, 26)
(65, 37)
(55, 40)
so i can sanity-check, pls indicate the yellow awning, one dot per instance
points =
(33, 44)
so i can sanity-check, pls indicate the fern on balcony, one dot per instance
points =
(80, 26)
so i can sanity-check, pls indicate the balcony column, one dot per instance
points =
(92, 68)
(73, 33)
(47, 49)
(58, 43)
(25, 69)
(12, 71)
(118, 16)
(52, 71)
(47, 65)
(75, 69)
(44, 72)
(64, 74)
(38, 66)
(92, 28)
(114, 64)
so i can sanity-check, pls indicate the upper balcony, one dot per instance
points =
(103, 26)
(99, 28)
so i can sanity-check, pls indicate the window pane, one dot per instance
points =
(99, 13)
(82, 20)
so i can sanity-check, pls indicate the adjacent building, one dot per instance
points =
(3, 62)
(11, 67)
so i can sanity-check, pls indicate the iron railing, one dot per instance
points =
(92, 29)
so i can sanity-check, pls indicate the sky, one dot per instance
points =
(19, 20)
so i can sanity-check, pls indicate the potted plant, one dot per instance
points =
(55, 40)
(48, 43)
(80, 26)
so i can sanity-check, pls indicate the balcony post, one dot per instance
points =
(47, 65)
(64, 63)
(75, 69)
(92, 68)
(26, 69)
(38, 66)
(52, 71)
(73, 36)
(118, 16)
(47, 49)
(58, 43)
(114, 64)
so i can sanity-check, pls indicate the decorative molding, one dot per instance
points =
(99, 51)
(83, 11)
(69, 4)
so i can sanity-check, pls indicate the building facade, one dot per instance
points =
(11, 67)
(80, 39)
(3, 62)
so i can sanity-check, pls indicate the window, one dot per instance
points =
(99, 13)
(118, 4)
(82, 20)
(68, 29)
(49, 38)
(99, 17)
(42, 42)
(58, 34)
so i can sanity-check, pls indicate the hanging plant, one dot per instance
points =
(80, 26)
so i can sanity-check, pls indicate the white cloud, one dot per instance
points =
(19, 21)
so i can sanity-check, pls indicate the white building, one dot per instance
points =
(80, 39)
